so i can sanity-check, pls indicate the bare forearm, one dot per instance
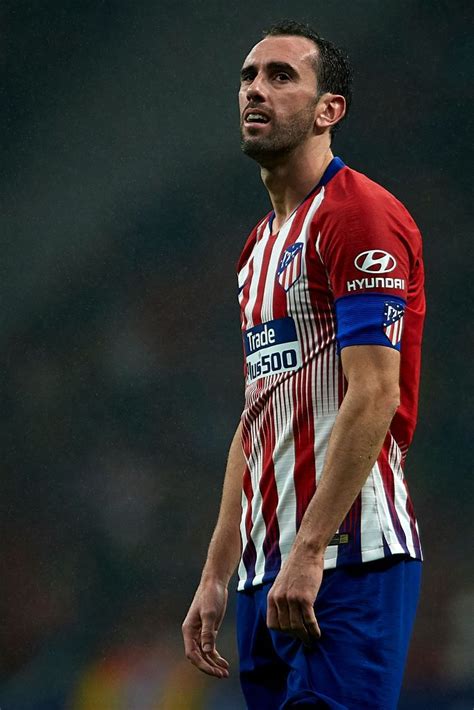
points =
(224, 549)
(356, 440)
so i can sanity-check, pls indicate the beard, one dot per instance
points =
(282, 139)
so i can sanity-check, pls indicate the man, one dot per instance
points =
(332, 308)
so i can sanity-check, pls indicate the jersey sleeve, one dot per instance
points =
(367, 255)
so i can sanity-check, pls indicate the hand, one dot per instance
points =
(200, 629)
(292, 596)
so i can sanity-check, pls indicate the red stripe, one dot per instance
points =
(395, 334)
(303, 435)
(247, 486)
(351, 523)
(249, 553)
(268, 487)
(318, 290)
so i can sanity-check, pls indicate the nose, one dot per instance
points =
(256, 90)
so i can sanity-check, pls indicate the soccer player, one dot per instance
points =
(332, 308)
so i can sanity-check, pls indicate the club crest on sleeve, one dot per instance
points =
(289, 269)
(393, 321)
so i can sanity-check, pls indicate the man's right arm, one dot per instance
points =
(208, 607)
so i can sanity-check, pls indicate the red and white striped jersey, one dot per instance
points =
(346, 268)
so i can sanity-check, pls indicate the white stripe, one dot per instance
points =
(323, 426)
(258, 253)
(395, 333)
(318, 241)
(419, 540)
(243, 534)
(241, 278)
(275, 258)
(400, 330)
(258, 579)
(401, 496)
(337, 366)
(317, 388)
(258, 528)
(330, 381)
(385, 518)
(371, 541)
(243, 273)
(312, 211)
(394, 330)
(324, 381)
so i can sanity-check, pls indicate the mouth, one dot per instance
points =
(255, 117)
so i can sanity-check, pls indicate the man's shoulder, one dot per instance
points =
(354, 184)
(353, 194)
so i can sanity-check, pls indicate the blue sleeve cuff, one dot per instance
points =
(369, 319)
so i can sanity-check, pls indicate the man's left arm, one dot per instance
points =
(371, 399)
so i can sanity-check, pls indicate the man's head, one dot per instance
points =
(294, 86)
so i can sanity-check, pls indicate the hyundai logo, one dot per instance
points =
(375, 261)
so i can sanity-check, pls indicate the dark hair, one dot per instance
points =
(332, 67)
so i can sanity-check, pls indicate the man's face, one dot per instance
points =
(277, 97)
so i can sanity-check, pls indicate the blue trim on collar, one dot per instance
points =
(334, 166)
(332, 169)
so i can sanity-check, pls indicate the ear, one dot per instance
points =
(330, 110)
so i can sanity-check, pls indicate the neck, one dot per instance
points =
(290, 179)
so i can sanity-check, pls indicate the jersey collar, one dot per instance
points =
(334, 166)
(332, 169)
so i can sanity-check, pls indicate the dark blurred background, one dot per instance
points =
(124, 203)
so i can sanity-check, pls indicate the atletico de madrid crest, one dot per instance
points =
(393, 321)
(289, 269)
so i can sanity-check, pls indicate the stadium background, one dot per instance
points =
(124, 205)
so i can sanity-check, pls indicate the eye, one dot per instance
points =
(282, 76)
(246, 77)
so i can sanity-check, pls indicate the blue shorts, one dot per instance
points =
(365, 614)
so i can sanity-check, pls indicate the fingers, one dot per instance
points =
(213, 664)
(278, 613)
(219, 661)
(210, 662)
(273, 621)
(310, 622)
(208, 632)
(293, 616)
(285, 615)
(297, 627)
(284, 623)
